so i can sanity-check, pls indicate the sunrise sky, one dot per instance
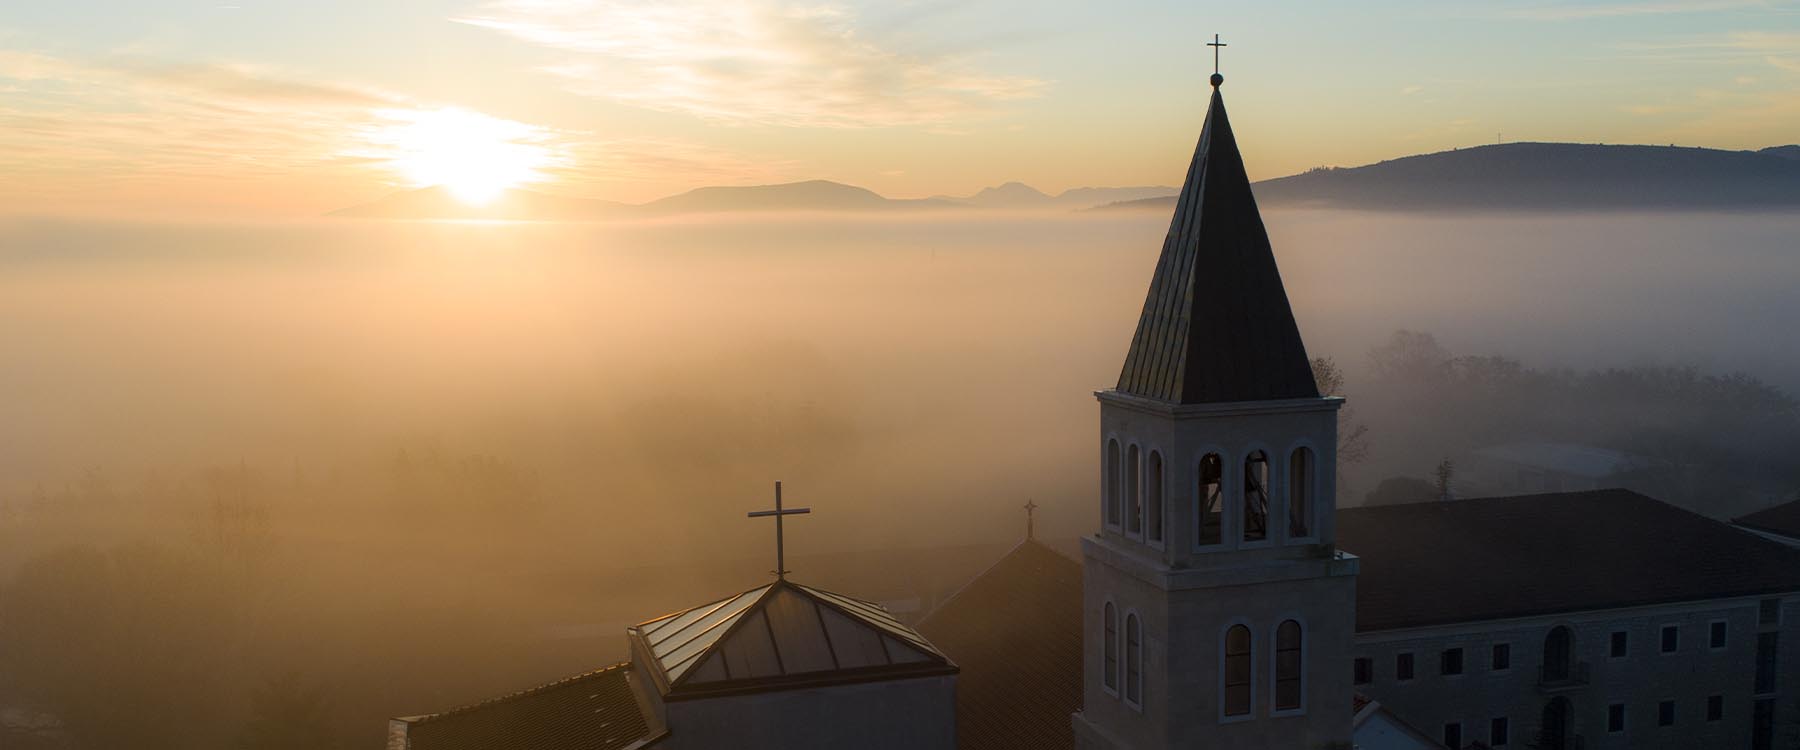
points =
(241, 108)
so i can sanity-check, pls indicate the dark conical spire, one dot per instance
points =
(1216, 325)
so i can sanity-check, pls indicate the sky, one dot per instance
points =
(247, 109)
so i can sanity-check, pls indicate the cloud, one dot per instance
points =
(758, 62)
(1586, 11)
(1410, 90)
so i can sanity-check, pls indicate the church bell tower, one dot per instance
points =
(1218, 611)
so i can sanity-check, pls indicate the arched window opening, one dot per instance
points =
(1109, 670)
(1256, 496)
(1134, 497)
(1300, 494)
(1212, 500)
(1288, 665)
(1237, 671)
(1111, 480)
(1153, 498)
(1134, 659)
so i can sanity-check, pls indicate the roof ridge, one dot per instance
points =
(736, 621)
(515, 695)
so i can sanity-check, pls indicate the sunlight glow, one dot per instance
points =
(474, 156)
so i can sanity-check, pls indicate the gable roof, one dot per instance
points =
(779, 636)
(1016, 631)
(1216, 324)
(1783, 519)
(591, 711)
(1499, 557)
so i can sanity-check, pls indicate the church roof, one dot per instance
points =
(1016, 631)
(1782, 519)
(591, 711)
(1216, 324)
(1490, 558)
(780, 636)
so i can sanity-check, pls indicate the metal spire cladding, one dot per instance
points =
(1216, 325)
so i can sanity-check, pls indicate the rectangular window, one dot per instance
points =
(1450, 662)
(1498, 729)
(1615, 717)
(1453, 734)
(1671, 638)
(1403, 667)
(1762, 725)
(1363, 671)
(1621, 644)
(1769, 612)
(1665, 714)
(1502, 657)
(1715, 707)
(1766, 648)
(1715, 637)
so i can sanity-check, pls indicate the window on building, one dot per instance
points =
(1502, 658)
(1153, 497)
(1766, 661)
(1237, 671)
(1134, 659)
(1109, 668)
(1403, 667)
(1715, 707)
(1300, 493)
(1715, 635)
(1499, 732)
(1671, 638)
(1450, 662)
(1453, 734)
(1134, 496)
(1665, 714)
(1621, 644)
(1362, 671)
(1615, 717)
(1768, 612)
(1111, 480)
(1762, 725)
(1256, 496)
(1212, 500)
(1289, 652)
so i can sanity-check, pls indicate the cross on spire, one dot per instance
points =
(781, 570)
(1216, 44)
(1030, 518)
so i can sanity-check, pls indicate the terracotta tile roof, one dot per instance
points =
(591, 711)
(1782, 519)
(1216, 324)
(1016, 632)
(1498, 557)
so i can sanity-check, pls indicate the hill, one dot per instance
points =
(1546, 176)
(1018, 195)
(812, 195)
(437, 203)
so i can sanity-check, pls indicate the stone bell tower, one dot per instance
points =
(1218, 611)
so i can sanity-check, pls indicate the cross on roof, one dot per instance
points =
(1216, 44)
(781, 570)
(1030, 518)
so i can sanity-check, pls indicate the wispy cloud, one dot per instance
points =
(748, 62)
(1580, 11)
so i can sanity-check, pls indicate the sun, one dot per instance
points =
(474, 156)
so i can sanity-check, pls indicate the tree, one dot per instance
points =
(1353, 436)
(1445, 471)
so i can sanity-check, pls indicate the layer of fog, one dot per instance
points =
(447, 460)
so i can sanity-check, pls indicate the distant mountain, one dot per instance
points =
(813, 195)
(1545, 176)
(513, 205)
(1018, 195)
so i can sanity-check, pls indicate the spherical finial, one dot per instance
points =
(1217, 79)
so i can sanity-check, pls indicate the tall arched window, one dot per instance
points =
(1134, 659)
(1237, 671)
(1256, 496)
(1109, 667)
(1134, 496)
(1300, 494)
(1111, 480)
(1153, 498)
(1289, 665)
(1211, 498)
